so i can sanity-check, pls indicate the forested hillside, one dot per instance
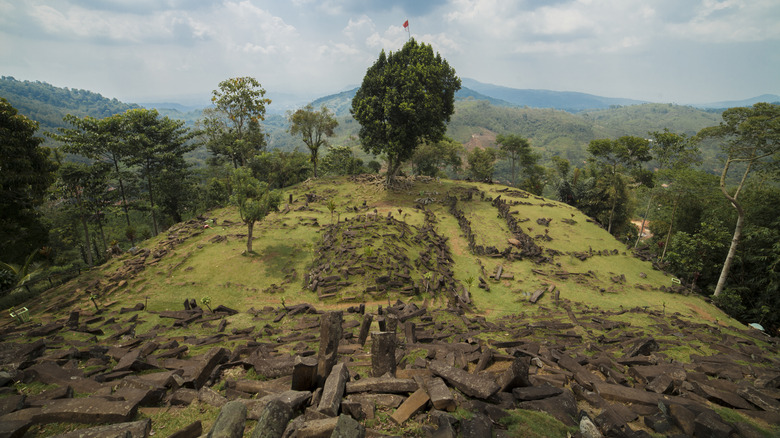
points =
(476, 122)
(47, 104)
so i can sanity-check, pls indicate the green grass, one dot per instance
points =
(196, 267)
(731, 416)
(167, 421)
(533, 424)
(33, 388)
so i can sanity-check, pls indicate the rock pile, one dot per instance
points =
(420, 366)
(368, 256)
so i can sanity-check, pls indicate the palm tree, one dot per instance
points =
(21, 274)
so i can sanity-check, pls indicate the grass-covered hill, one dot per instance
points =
(373, 233)
(483, 282)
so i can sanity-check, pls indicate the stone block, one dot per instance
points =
(273, 420)
(440, 395)
(89, 410)
(230, 422)
(330, 336)
(333, 390)
(410, 406)
(516, 375)
(347, 427)
(470, 384)
(387, 385)
(383, 354)
(134, 429)
(535, 392)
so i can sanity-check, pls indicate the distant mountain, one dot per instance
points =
(770, 98)
(171, 106)
(563, 100)
(340, 103)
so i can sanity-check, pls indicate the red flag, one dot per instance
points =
(406, 24)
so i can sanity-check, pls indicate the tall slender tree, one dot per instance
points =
(153, 143)
(232, 127)
(675, 154)
(751, 138)
(99, 139)
(85, 186)
(513, 147)
(315, 127)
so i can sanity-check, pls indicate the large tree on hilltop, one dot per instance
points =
(406, 97)
(314, 127)
(25, 174)
(751, 138)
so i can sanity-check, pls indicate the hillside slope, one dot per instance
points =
(47, 104)
(498, 304)
(557, 246)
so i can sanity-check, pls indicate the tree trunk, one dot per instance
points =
(514, 174)
(724, 273)
(644, 219)
(392, 169)
(250, 227)
(151, 200)
(124, 199)
(612, 213)
(314, 160)
(614, 199)
(87, 243)
(671, 223)
(102, 236)
(83, 218)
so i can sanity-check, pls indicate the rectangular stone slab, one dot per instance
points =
(410, 406)
(470, 384)
(440, 395)
(88, 410)
(382, 385)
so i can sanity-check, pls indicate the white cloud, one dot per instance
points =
(361, 25)
(731, 21)
(185, 46)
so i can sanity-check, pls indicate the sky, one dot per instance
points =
(677, 51)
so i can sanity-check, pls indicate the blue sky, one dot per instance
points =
(679, 51)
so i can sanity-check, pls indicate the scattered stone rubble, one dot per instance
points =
(335, 373)
(368, 256)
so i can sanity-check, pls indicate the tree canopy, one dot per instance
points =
(406, 97)
(155, 144)
(25, 174)
(254, 200)
(232, 127)
(314, 127)
(751, 137)
(482, 163)
(432, 159)
(613, 156)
